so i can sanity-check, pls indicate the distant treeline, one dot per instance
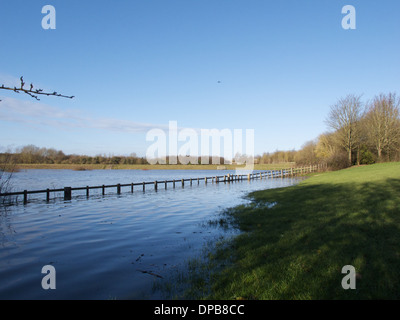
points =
(32, 154)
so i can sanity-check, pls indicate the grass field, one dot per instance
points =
(297, 248)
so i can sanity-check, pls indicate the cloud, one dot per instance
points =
(39, 115)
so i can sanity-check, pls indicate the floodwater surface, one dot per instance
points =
(112, 246)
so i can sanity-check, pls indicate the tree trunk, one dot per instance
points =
(350, 156)
(379, 152)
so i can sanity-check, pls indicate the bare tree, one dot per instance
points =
(326, 146)
(344, 118)
(31, 92)
(307, 155)
(7, 168)
(383, 122)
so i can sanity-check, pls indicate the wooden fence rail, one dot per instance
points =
(268, 174)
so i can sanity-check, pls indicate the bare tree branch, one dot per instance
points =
(33, 93)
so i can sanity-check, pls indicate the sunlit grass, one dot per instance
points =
(297, 248)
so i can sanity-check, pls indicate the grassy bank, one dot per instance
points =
(148, 166)
(297, 248)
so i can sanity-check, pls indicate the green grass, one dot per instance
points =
(297, 248)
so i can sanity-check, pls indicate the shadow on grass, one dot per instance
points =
(296, 249)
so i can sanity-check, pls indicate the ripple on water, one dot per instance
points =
(100, 246)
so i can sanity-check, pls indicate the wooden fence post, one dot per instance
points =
(67, 193)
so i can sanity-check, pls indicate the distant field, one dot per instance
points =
(149, 167)
(297, 248)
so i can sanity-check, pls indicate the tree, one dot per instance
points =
(7, 168)
(306, 155)
(344, 118)
(326, 146)
(383, 122)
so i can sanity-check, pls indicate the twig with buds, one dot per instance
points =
(33, 93)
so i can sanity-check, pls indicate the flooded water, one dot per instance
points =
(112, 246)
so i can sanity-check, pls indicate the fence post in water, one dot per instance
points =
(67, 193)
(165, 182)
(144, 187)
(248, 177)
(25, 196)
(183, 183)
(190, 181)
(173, 183)
(103, 190)
(87, 191)
(47, 194)
(118, 188)
(132, 187)
(155, 185)
(229, 177)
(205, 180)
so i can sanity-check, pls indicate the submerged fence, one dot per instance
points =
(268, 174)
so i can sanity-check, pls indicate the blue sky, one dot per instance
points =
(272, 66)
